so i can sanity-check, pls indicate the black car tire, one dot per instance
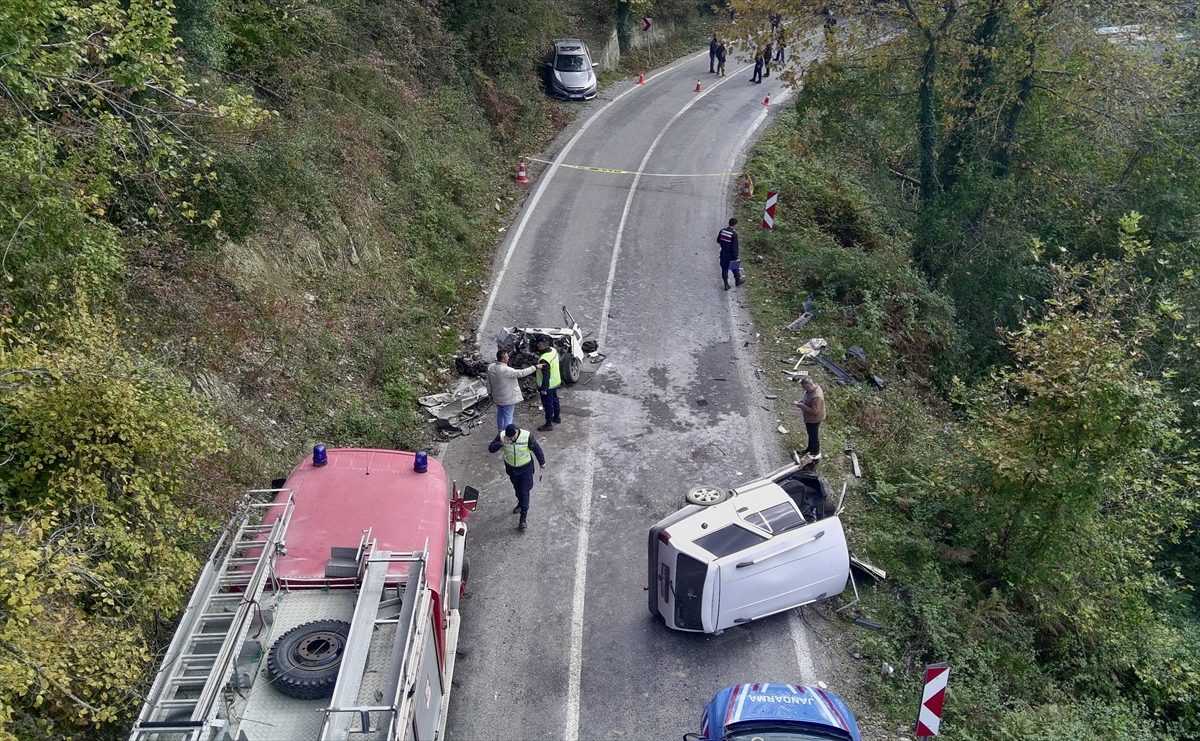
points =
(572, 370)
(304, 662)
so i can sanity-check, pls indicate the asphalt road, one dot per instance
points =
(557, 641)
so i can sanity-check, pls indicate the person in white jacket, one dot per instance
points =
(504, 388)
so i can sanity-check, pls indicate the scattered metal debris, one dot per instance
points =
(854, 466)
(874, 572)
(868, 624)
(806, 317)
(701, 401)
(454, 412)
(810, 351)
(838, 372)
(772, 396)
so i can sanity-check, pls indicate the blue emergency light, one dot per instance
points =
(320, 457)
(421, 462)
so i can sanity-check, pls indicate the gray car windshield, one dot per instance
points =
(571, 63)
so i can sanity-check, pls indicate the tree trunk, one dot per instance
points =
(623, 9)
(1008, 127)
(927, 120)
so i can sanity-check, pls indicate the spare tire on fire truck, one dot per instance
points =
(304, 662)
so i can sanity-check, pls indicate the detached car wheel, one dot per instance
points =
(304, 662)
(706, 496)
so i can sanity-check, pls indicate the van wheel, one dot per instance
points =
(304, 662)
(572, 370)
(706, 496)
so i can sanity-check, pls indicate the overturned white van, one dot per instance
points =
(732, 557)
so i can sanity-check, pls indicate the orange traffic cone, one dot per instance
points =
(642, 78)
(747, 191)
(767, 100)
(697, 86)
(521, 178)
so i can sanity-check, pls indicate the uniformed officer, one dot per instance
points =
(727, 238)
(548, 380)
(519, 450)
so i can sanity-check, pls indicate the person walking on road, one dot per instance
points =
(712, 53)
(758, 68)
(721, 59)
(504, 388)
(813, 407)
(727, 238)
(548, 380)
(520, 448)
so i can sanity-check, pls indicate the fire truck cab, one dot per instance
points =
(329, 612)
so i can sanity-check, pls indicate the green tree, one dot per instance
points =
(98, 519)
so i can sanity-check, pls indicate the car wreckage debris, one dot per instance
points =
(838, 372)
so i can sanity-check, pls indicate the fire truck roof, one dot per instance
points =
(359, 489)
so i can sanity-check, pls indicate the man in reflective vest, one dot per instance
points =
(519, 451)
(548, 381)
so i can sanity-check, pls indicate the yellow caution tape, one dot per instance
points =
(643, 174)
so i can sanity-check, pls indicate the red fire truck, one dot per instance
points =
(329, 612)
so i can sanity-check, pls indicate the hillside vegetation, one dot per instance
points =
(231, 229)
(1001, 206)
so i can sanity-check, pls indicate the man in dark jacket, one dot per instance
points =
(758, 67)
(727, 238)
(712, 54)
(721, 58)
(520, 448)
(767, 60)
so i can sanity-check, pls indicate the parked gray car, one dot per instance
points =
(570, 71)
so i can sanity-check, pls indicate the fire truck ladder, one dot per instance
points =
(182, 703)
(347, 715)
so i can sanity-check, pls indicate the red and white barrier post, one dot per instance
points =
(769, 213)
(929, 717)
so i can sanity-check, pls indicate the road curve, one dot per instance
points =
(557, 642)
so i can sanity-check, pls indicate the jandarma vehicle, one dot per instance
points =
(732, 557)
(570, 70)
(776, 712)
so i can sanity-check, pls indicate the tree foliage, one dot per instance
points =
(98, 519)
(99, 127)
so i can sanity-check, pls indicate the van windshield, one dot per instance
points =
(729, 539)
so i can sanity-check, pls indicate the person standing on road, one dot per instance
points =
(504, 389)
(813, 407)
(727, 238)
(520, 447)
(548, 381)
(780, 43)
(712, 53)
(721, 59)
(758, 67)
(767, 60)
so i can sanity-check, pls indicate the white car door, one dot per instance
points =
(796, 566)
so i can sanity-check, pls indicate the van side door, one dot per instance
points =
(795, 566)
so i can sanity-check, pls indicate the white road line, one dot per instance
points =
(761, 445)
(578, 597)
(544, 181)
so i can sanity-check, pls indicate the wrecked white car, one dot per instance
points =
(567, 339)
(732, 557)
